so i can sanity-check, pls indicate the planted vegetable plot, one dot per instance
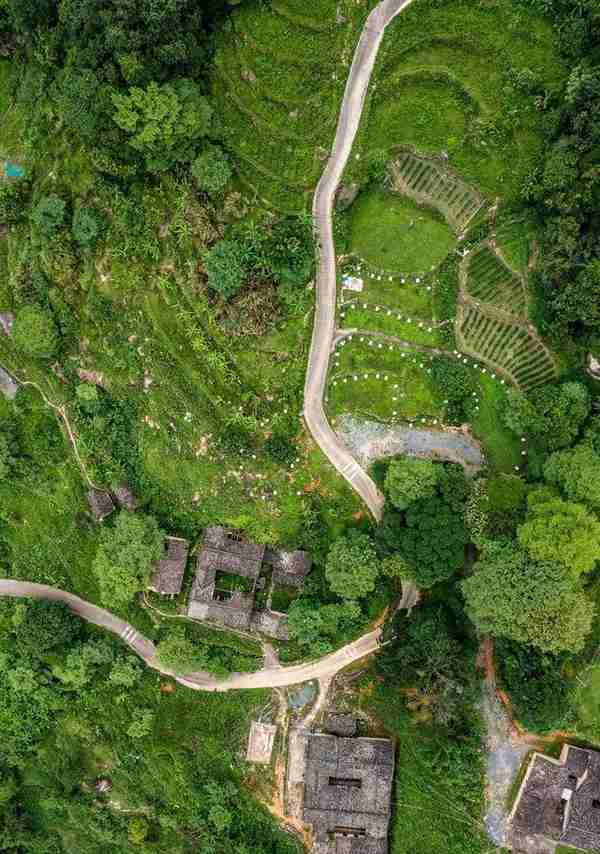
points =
(507, 346)
(426, 182)
(488, 279)
(376, 378)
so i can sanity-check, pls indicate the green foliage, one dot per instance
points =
(551, 415)
(125, 553)
(49, 215)
(87, 226)
(561, 531)
(433, 541)
(317, 628)
(40, 627)
(212, 170)
(13, 199)
(352, 567)
(225, 267)
(537, 684)
(532, 602)
(34, 332)
(577, 472)
(409, 479)
(431, 659)
(457, 385)
(164, 123)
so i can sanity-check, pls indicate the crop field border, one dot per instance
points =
(489, 330)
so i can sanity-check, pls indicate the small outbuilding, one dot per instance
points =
(100, 503)
(289, 568)
(167, 577)
(125, 498)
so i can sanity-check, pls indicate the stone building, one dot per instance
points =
(289, 568)
(347, 793)
(167, 577)
(125, 498)
(559, 801)
(215, 597)
(100, 503)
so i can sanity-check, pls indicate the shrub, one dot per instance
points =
(34, 332)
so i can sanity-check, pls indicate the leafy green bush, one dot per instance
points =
(225, 267)
(49, 215)
(87, 226)
(211, 170)
(34, 332)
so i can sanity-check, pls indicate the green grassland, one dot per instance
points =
(393, 233)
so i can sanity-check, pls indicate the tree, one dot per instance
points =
(317, 627)
(552, 415)
(87, 226)
(164, 122)
(352, 567)
(577, 472)
(560, 531)
(141, 724)
(211, 170)
(225, 267)
(77, 669)
(42, 627)
(124, 557)
(6, 459)
(34, 332)
(49, 214)
(432, 541)
(13, 198)
(532, 602)
(177, 653)
(409, 479)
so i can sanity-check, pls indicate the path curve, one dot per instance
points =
(269, 677)
(314, 414)
(324, 322)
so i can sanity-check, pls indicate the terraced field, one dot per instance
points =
(460, 78)
(280, 74)
(489, 279)
(427, 183)
(510, 347)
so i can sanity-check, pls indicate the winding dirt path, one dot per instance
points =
(323, 334)
(326, 282)
(269, 677)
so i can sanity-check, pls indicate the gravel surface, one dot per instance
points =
(504, 760)
(369, 441)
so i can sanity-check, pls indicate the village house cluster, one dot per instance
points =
(236, 582)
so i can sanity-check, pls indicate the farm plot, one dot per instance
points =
(395, 234)
(446, 80)
(508, 346)
(375, 377)
(428, 183)
(392, 290)
(488, 279)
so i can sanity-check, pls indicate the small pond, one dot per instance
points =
(12, 170)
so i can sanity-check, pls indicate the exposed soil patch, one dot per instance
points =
(370, 440)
